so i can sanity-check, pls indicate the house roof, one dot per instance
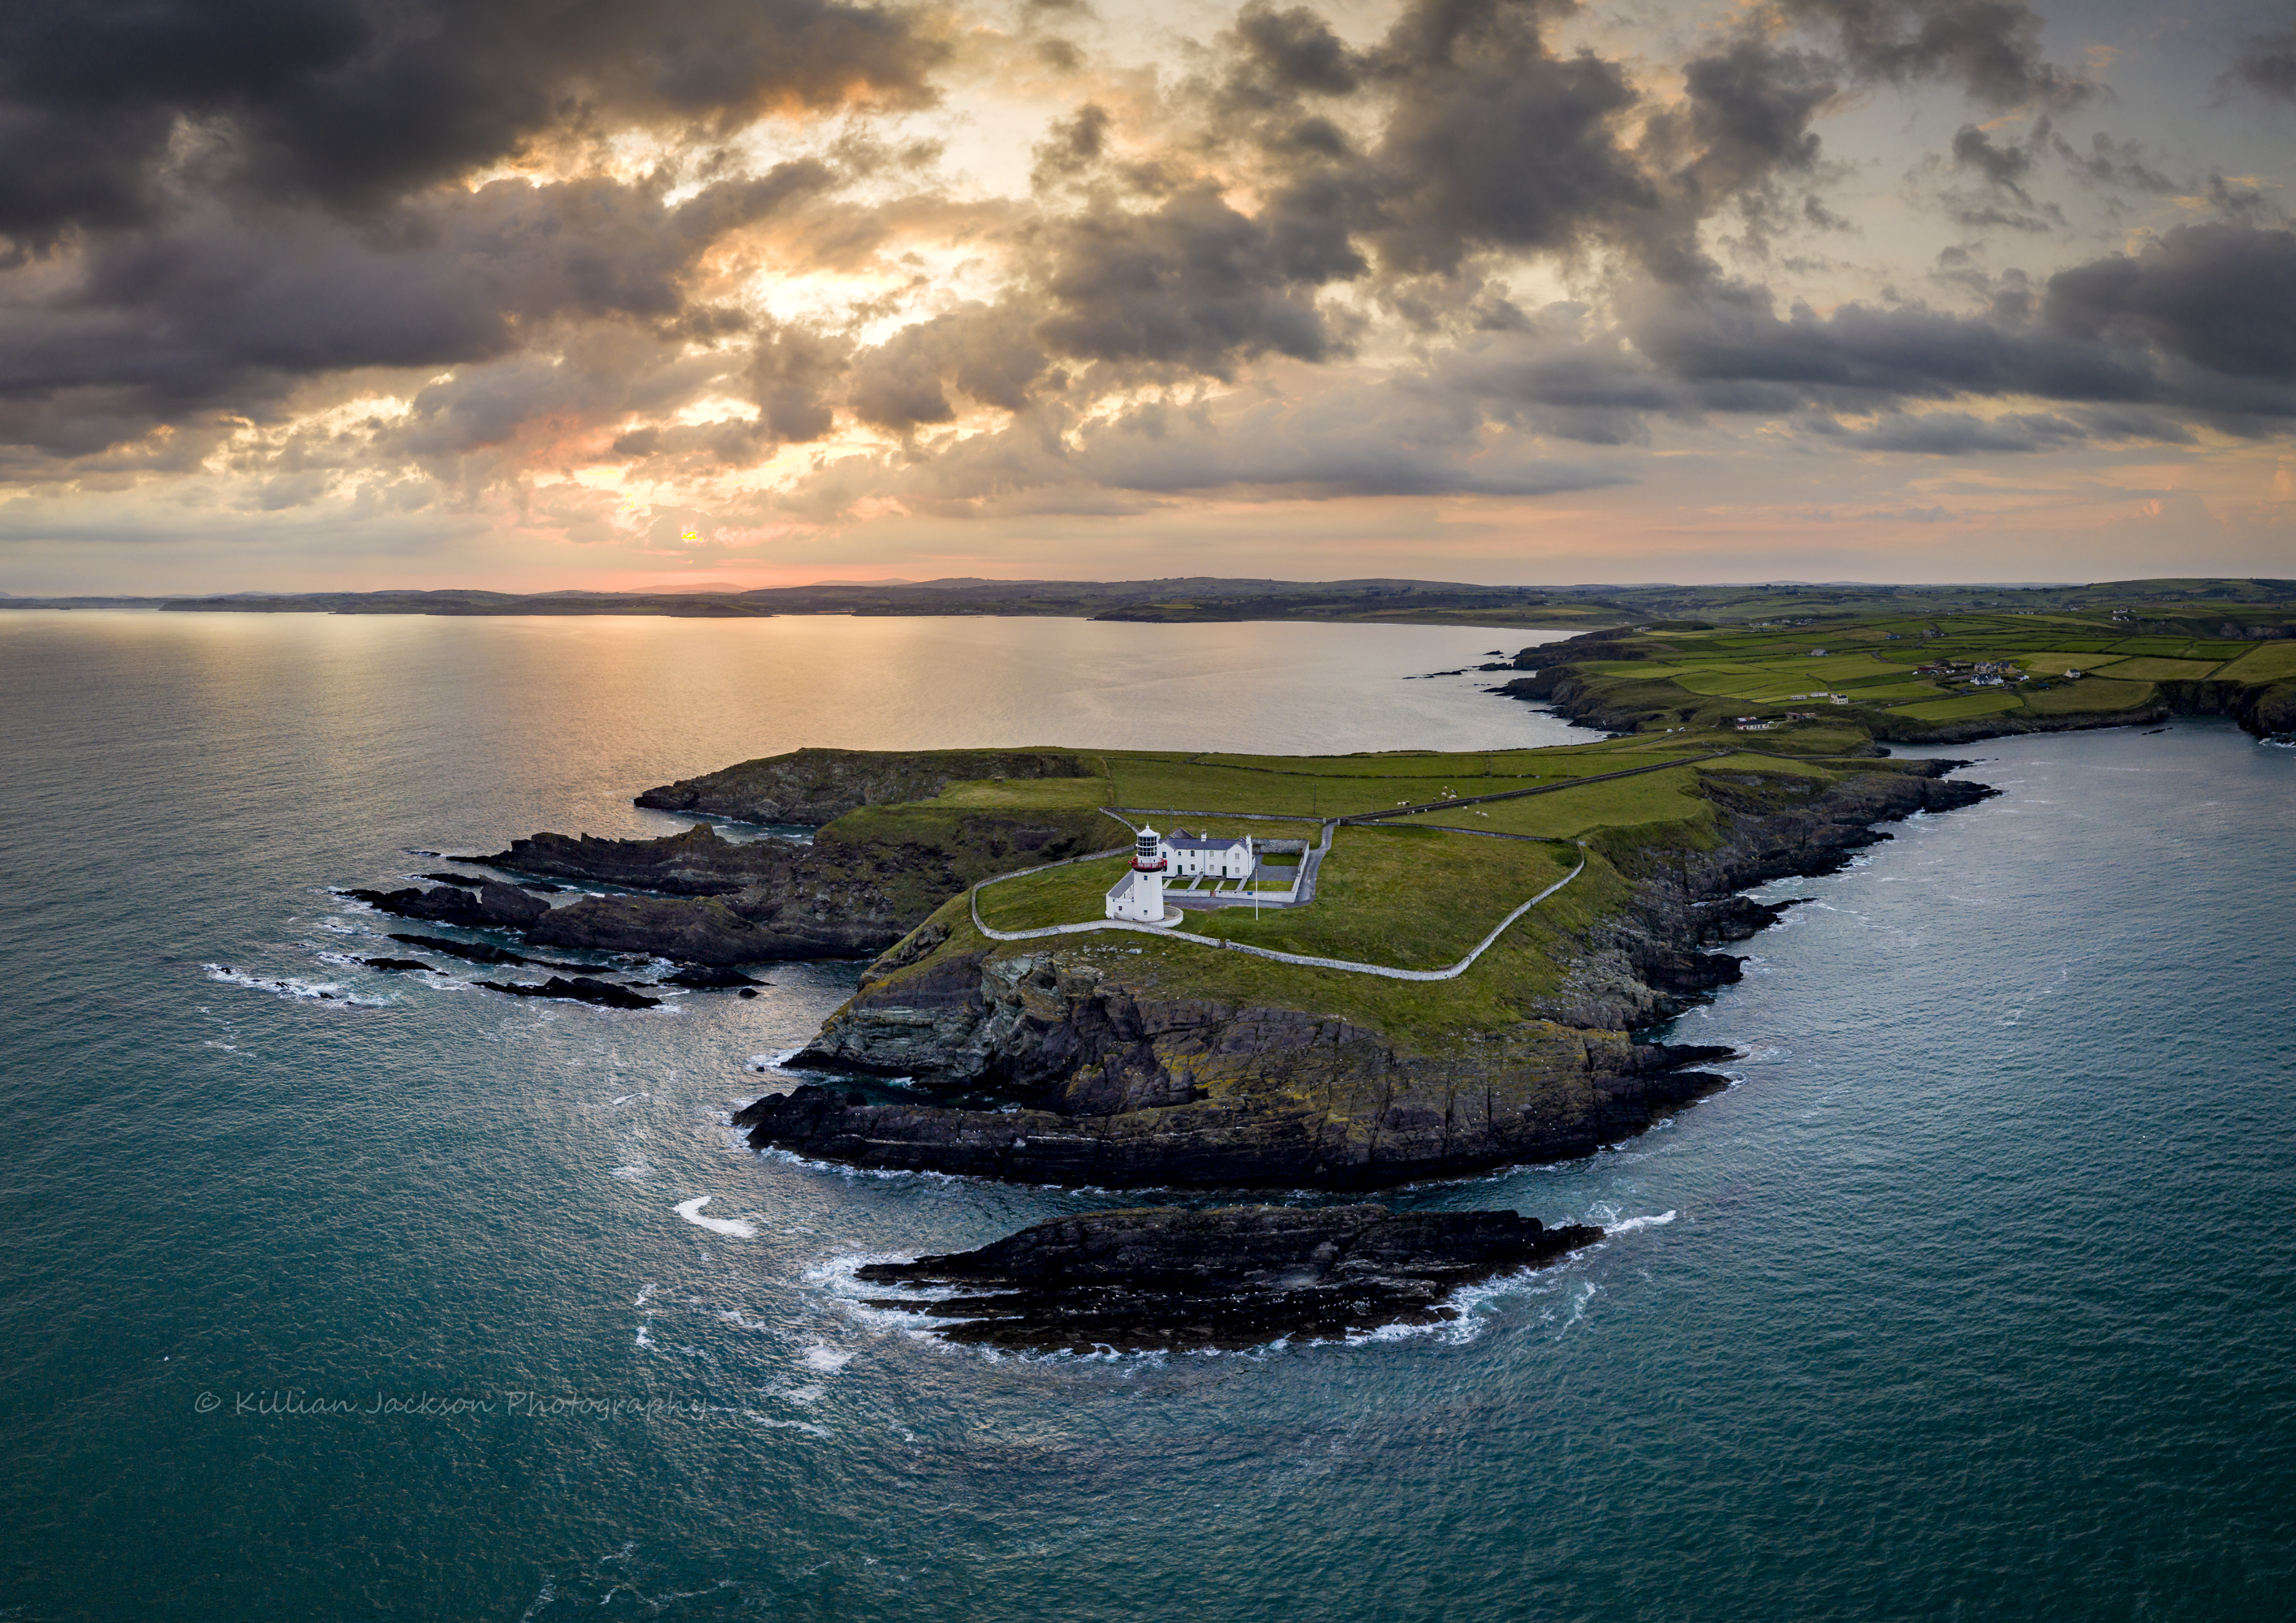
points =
(1188, 842)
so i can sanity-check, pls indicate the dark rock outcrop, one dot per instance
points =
(700, 977)
(848, 895)
(395, 966)
(496, 906)
(816, 786)
(1739, 918)
(480, 952)
(1166, 1279)
(704, 930)
(580, 988)
(695, 863)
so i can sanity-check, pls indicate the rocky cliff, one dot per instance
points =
(1083, 1077)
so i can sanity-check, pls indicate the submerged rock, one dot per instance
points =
(1237, 1276)
(708, 978)
(581, 988)
(474, 952)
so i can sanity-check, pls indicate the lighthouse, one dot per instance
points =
(1138, 896)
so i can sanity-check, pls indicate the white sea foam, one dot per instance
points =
(732, 1228)
(785, 1425)
(771, 1063)
(636, 1173)
(1586, 1292)
(827, 1359)
(1635, 1225)
(308, 991)
(774, 1153)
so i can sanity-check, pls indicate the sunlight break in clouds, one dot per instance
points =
(327, 292)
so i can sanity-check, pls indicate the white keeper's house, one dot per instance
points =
(1191, 855)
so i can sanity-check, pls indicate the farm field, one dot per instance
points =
(2266, 662)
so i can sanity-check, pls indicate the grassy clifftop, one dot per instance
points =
(1410, 889)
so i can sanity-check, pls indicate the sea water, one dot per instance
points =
(326, 1293)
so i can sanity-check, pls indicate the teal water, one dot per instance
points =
(1976, 1298)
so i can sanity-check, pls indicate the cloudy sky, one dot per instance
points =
(537, 293)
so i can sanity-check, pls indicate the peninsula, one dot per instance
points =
(1157, 969)
(1364, 969)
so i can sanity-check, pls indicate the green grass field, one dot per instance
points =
(2147, 667)
(1992, 703)
(2266, 662)
(1653, 797)
(2092, 695)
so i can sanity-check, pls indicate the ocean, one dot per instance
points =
(329, 1294)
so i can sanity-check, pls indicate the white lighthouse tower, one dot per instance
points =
(1139, 895)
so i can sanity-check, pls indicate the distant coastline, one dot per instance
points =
(1197, 599)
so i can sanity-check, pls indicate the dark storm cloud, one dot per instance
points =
(2004, 166)
(793, 377)
(1751, 107)
(223, 308)
(2204, 322)
(1295, 51)
(2200, 325)
(1959, 434)
(1491, 140)
(2218, 298)
(2109, 162)
(1991, 47)
(1194, 282)
(103, 103)
(987, 353)
(1368, 440)
(2268, 63)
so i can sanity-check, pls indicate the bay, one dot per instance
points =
(1974, 1296)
